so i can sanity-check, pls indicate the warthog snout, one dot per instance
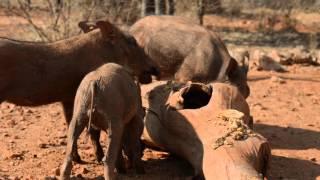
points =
(155, 72)
(146, 76)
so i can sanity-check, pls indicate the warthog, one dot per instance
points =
(188, 51)
(34, 74)
(190, 122)
(108, 99)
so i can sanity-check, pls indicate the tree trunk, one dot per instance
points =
(157, 7)
(169, 6)
(143, 8)
(200, 11)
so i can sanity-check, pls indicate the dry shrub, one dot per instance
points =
(49, 21)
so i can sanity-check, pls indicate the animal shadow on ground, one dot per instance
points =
(170, 167)
(299, 169)
(295, 139)
(289, 137)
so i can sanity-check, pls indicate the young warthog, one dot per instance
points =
(188, 51)
(108, 99)
(34, 74)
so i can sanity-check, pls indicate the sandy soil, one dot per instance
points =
(33, 140)
(287, 112)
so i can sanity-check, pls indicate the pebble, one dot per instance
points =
(61, 142)
(84, 170)
(276, 79)
(13, 178)
(50, 178)
(27, 111)
(29, 177)
(56, 171)
(42, 145)
(79, 176)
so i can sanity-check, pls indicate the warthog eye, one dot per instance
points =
(132, 41)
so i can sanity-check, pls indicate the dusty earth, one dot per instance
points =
(286, 111)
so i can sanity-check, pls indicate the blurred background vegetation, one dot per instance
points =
(246, 22)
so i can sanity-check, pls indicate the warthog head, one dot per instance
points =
(237, 73)
(122, 48)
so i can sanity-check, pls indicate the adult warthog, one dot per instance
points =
(187, 51)
(34, 74)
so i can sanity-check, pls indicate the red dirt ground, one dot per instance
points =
(33, 140)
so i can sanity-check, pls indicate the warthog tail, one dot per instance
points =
(92, 89)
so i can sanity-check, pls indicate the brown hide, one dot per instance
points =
(187, 51)
(192, 133)
(34, 73)
(108, 99)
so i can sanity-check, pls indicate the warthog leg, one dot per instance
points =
(77, 125)
(114, 144)
(95, 136)
(120, 164)
(68, 111)
(132, 144)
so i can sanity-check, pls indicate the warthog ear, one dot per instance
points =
(107, 29)
(233, 66)
(86, 26)
(245, 62)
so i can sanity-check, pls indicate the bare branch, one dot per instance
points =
(26, 15)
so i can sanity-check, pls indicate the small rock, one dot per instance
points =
(11, 123)
(18, 156)
(84, 170)
(54, 113)
(50, 178)
(309, 94)
(275, 55)
(313, 159)
(21, 118)
(56, 171)
(29, 177)
(228, 142)
(79, 176)
(314, 101)
(42, 145)
(268, 64)
(13, 178)
(276, 79)
(27, 111)
(62, 136)
(294, 109)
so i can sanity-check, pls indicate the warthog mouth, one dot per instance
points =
(195, 96)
